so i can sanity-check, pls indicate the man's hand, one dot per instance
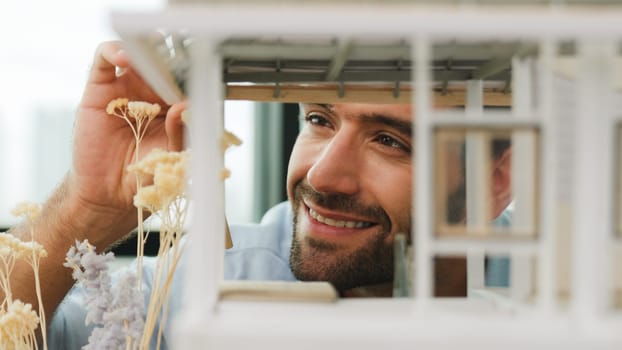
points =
(100, 190)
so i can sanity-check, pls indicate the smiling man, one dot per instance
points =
(349, 181)
(350, 188)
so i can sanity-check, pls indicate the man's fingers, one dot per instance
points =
(109, 57)
(174, 127)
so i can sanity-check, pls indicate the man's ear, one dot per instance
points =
(502, 182)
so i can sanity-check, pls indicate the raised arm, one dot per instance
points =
(94, 201)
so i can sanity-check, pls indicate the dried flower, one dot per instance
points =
(17, 320)
(142, 110)
(169, 177)
(17, 326)
(27, 210)
(229, 139)
(91, 269)
(11, 245)
(118, 310)
(185, 116)
(137, 114)
(225, 173)
(117, 106)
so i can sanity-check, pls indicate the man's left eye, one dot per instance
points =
(389, 141)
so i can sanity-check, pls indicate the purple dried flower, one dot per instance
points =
(118, 310)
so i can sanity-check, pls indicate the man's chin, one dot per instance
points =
(317, 260)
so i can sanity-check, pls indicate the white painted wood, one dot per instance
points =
(274, 19)
(476, 179)
(423, 180)
(206, 243)
(593, 183)
(523, 147)
(523, 173)
(547, 282)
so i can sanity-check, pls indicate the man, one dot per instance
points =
(349, 186)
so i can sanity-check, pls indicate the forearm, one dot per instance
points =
(63, 220)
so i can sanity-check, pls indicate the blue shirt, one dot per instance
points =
(260, 252)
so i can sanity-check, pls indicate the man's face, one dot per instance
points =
(350, 182)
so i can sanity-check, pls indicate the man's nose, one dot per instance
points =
(337, 168)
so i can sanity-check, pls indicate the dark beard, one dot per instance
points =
(456, 205)
(317, 260)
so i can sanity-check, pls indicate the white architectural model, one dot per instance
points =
(563, 66)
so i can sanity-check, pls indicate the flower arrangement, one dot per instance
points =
(166, 198)
(117, 310)
(18, 321)
(138, 116)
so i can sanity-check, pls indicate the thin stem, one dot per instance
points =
(42, 319)
(5, 279)
(140, 241)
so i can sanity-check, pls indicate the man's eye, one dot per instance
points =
(391, 142)
(316, 119)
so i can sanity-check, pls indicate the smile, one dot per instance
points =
(338, 223)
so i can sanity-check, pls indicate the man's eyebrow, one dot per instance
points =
(326, 106)
(404, 127)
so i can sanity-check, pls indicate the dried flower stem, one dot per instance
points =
(18, 321)
(138, 116)
(35, 267)
(169, 253)
(8, 262)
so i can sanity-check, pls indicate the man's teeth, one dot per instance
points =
(338, 223)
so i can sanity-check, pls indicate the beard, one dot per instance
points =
(313, 259)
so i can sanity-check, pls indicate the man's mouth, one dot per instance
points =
(338, 223)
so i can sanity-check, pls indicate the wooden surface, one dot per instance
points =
(316, 93)
(277, 291)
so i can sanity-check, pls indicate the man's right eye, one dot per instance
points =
(317, 120)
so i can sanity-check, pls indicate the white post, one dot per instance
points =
(548, 172)
(523, 172)
(477, 180)
(206, 243)
(423, 189)
(523, 147)
(593, 183)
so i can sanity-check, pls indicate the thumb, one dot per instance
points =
(174, 126)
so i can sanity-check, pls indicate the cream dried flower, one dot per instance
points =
(117, 106)
(147, 165)
(143, 110)
(185, 117)
(225, 173)
(17, 326)
(11, 245)
(27, 210)
(229, 139)
(149, 198)
(169, 177)
(137, 114)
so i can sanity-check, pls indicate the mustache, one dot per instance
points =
(342, 202)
